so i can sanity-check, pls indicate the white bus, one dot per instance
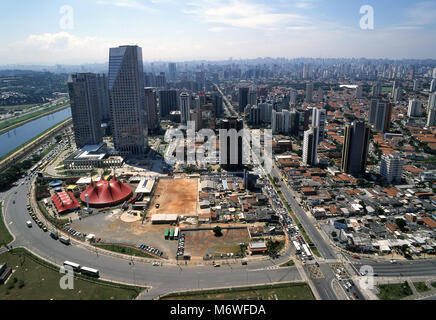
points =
(176, 234)
(89, 271)
(297, 246)
(75, 266)
(307, 250)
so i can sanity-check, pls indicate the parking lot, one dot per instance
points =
(112, 229)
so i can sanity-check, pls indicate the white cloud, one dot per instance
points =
(242, 14)
(55, 47)
(127, 4)
(422, 13)
(216, 29)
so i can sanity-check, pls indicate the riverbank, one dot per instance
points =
(19, 121)
(27, 145)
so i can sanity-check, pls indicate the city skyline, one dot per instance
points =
(202, 29)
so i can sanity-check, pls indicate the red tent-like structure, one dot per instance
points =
(65, 201)
(106, 193)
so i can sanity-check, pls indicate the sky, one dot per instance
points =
(82, 31)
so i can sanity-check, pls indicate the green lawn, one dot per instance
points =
(125, 250)
(34, 279)
(394, 291)
(285, 291)
(290, 263)
(5, 236)
(421, 287)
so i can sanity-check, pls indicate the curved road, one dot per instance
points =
(163, 279)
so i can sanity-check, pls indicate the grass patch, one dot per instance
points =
(394, 291)
(290, 263)
(5, 236)
(315, 251)
(421, 287)
(433, 284)
(283, 291)
(125, 250)
(35, 279)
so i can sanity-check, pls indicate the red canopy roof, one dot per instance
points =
(104, 193)
(64, 201)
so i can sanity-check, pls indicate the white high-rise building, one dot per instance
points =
(310, 146)
(414, 109)
(433, 85)
(431, 118)
(126, 96)
(434, 73)
(318, 120)
(391, 168)
(184, 107)
(431, 101)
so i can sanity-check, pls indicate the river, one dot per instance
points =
(19, 135)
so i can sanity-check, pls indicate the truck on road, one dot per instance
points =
(64, 240)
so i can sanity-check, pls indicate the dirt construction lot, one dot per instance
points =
(177, 196)
(200, 242)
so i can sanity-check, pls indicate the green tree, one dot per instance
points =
(217, 231)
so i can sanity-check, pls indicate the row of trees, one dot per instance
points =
(13, 173)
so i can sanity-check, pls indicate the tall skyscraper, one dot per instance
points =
(359, 91)
(231, 149)
(372, 111)
(172, 71)
(151, 108)
(433, 85)
(168, 101)
(431, 117)
(416, 84)
(380, 114)
(292, 97)
(103, 97)
(318, 120)
(265, 112)
(310, 146)
(184, 107)
(252, 97)
(355, 148)
(397, 94)
(83, 91)
(309, 92)
(126, 96)
(376, 90)
(391, 168)
(431, 101)
(414, 108)
(434, 73)
(243, 98)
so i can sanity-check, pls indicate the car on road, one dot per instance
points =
(356, 256)
(356, 295)
(54, 235)
(244, 263)
(29, 223)
(393, 261)
(155, 264)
